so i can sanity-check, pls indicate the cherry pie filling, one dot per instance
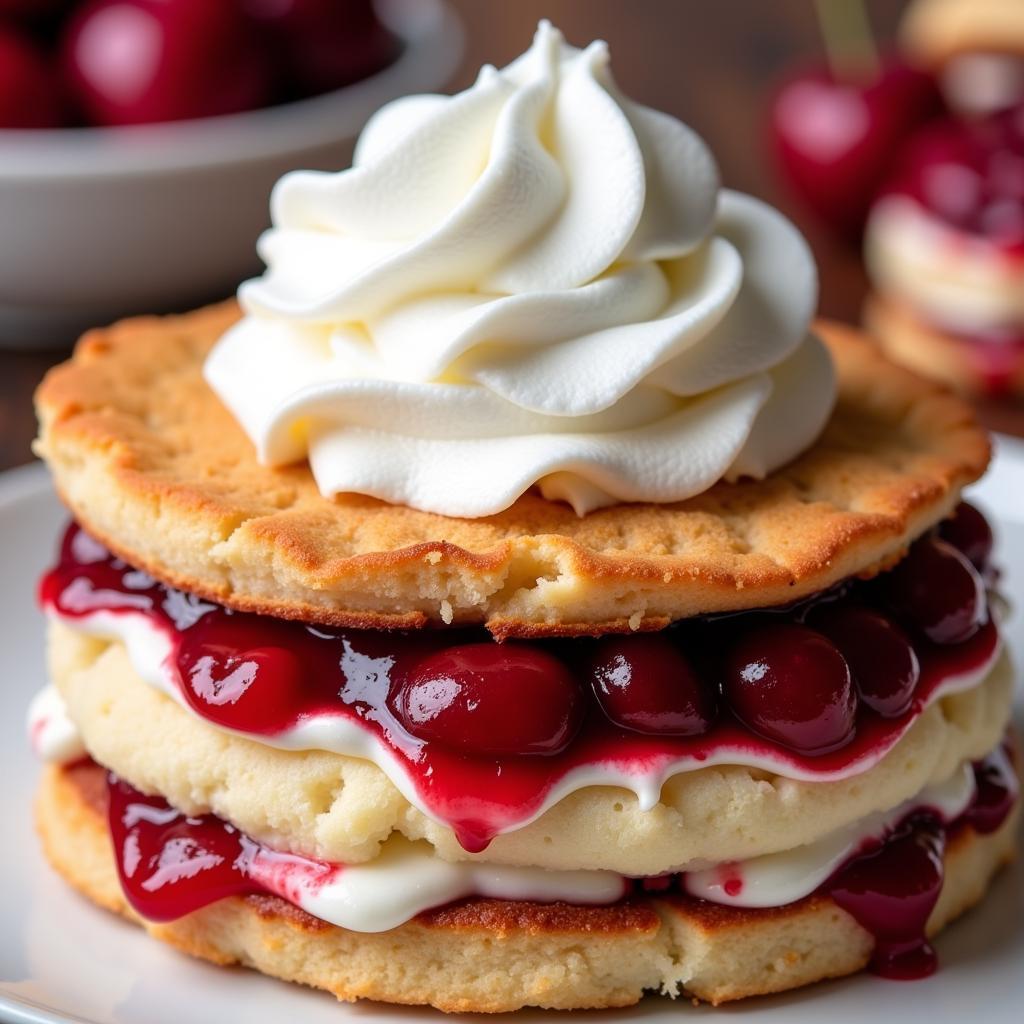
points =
(486, 731)
(171, 864)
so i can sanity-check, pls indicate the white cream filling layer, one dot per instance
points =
(54, 737)
(776, 879)
(150, 652)
(408, 878)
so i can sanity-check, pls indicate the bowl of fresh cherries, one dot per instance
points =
(139, 139)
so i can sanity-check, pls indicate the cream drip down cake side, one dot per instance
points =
(515, 599)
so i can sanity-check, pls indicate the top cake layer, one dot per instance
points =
(149, 461)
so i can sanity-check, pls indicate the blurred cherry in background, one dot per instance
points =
(323, 44)
(837, 125)
(137, 61)
(30, 96)
(835, 133)
(125, 62)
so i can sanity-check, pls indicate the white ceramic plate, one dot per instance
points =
(61, 959)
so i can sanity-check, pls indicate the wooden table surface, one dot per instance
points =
(710, 63)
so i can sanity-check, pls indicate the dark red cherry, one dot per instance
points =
(835, 138)
(790, 684)
(258, 689)
(29, 94)
(968, 530)
(884, 664)
(938, 590)
(493, 700)
(138, 61)
(30, 9)
(996, 794)
(323, 44)
(891, 892)
(645, 683)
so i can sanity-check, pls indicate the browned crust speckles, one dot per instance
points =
(150, 462)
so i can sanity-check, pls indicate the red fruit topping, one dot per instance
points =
(885, 666)
(170, 864)
(891, 893)
(29, 94)
(646, 684)
(262, 676)
(835, 139)
(137, 61)
(490, 700)
(996, 793)
(221, 683)
(937, 589)
(790, 684)
(971, 174)
(968, 531)
(324, 44)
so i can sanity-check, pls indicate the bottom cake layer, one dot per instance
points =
(485, 955)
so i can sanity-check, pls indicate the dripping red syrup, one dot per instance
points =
(261, 676)
(171, 864)
(892, 888)
(891, 892)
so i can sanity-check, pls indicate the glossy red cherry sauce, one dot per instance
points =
(171, 864)
(891, 886)
(891, 889)
(262, 676)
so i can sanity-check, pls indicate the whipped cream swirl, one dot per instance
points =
(533, 282)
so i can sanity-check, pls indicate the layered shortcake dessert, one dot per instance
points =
(512, 601)
(944, 247)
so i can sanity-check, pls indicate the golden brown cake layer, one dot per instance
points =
(151, 463)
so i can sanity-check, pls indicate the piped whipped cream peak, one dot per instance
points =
(534, 282)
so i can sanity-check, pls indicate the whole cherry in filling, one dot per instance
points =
(968, 531)
(220, 672)
(645, 683)
(491, 700)
(791, 684)
(937, 589)
(884, 664)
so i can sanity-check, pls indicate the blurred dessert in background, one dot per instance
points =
(944, 247)
(974, 47)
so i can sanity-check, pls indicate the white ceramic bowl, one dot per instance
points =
(97, 224)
